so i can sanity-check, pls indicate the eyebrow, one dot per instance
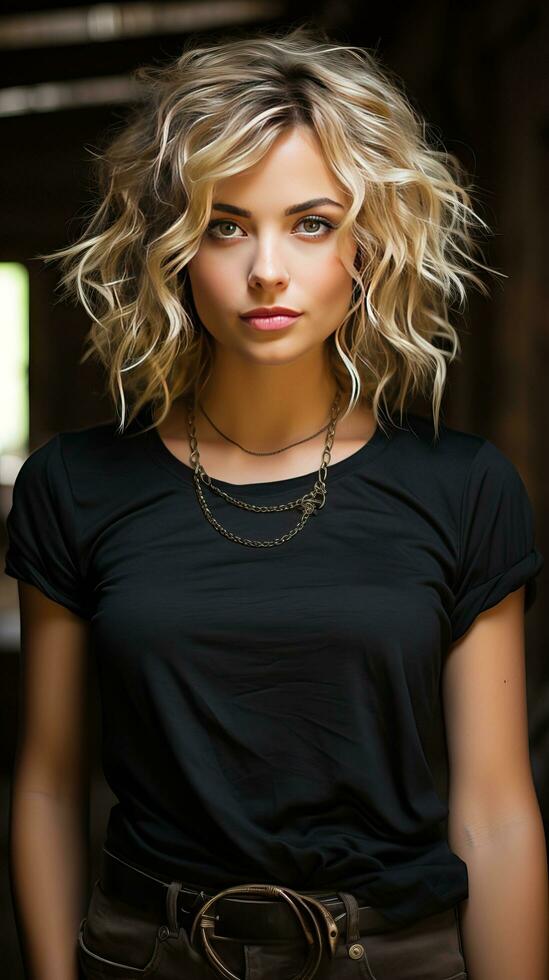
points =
(295, 209)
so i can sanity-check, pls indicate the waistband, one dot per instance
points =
(253, 917)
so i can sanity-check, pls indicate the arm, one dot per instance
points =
(48, 819)
(495, 823)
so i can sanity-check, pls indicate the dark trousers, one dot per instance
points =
(117, 940)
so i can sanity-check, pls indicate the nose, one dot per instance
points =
(268, 268)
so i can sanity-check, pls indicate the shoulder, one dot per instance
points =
(47, 465)
(418, 432)
(457, 451)
(85, 443)
(73, 442)
(79, 465)
(457, 472)
(422, 453)
(99, 454)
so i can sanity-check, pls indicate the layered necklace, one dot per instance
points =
(308, 504)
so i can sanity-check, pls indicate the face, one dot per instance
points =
(270, 258)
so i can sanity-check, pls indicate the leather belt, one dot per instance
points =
(263, 912)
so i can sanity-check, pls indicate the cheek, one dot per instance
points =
(211, 281)
(331, 284)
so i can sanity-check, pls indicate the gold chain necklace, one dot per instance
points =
(309, 503)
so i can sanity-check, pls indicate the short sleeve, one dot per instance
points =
(41, 529)
(497, 550)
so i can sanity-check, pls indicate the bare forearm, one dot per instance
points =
(505, 920)
(48, 856)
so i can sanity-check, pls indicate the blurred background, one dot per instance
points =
(477, 71)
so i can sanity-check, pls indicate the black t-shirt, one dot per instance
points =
(274, 714)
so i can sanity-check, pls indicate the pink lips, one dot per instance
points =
(275, 322)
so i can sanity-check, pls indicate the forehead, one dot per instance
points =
(292, 170)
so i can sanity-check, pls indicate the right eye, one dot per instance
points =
(217, 223)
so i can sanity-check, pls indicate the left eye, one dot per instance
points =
(315, 220)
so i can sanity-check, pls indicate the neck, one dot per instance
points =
(264, 408)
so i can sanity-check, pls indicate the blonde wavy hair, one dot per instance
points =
(215, 111)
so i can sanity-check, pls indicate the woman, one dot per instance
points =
(269, 274)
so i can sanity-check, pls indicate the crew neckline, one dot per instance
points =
(184, 472)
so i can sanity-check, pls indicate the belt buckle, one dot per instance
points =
(205, 922)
